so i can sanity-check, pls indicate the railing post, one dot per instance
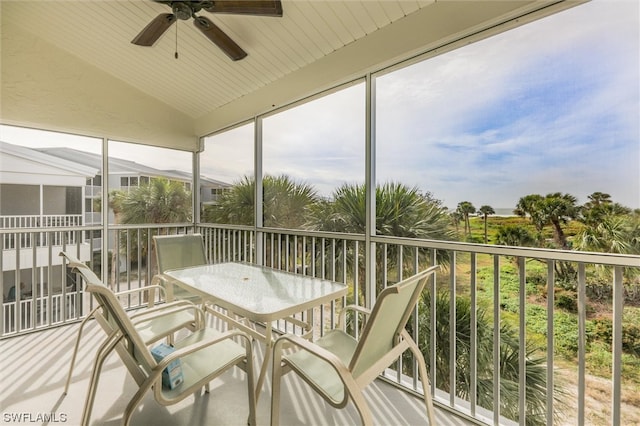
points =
(522, 350)
(496, 339)
(616, 345)
(550, 338)
(582, 341)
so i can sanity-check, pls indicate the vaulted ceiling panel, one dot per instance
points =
(289, 57)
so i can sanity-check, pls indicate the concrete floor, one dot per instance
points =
(35, 367)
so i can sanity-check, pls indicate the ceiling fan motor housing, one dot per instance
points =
(182, 10)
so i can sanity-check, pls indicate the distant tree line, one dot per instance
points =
(607, 226)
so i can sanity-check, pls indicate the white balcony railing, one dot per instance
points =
(457, 350)
(11, 241)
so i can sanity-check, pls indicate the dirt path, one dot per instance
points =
(597, 400)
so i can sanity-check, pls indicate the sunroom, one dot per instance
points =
(337, 104)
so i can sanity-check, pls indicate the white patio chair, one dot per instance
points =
(204, 353)
(177, 252)
(338, 366)
(174, 316)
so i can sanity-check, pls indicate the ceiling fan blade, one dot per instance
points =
(247, 7)
(216, 35)
(152, 32)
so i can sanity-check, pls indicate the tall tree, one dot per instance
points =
(159, 201)
(599, 206)
(530, 205)
(553, 209)
(611, 234)
(465, 208)
(557, 209)
(456, 217)
(401, 211)
(513, 235)
(486, 211)
(510, 347)
(286, 203)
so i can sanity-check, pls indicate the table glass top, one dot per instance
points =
(258, 289)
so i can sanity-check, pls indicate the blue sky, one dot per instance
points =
(549, 107)
(552, 106)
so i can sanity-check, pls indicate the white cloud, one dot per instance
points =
(445, 113)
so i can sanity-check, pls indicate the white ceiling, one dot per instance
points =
(70, 65)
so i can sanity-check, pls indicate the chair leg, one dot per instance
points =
(104, 350)
(136, 400)
(363, 408)
(75, 350)
(250, 383)
(422, 369)
(276, 377)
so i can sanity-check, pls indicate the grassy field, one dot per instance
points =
(599, 313)
(495, 222)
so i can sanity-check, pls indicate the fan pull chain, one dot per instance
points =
(176, 54)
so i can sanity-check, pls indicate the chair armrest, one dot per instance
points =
(170, 308)
(331, 358)
(147, 289)
(163, 307)
(356, 308)
(178, 353)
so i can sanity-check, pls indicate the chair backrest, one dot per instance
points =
(388, 318)
(116, 319)
(179, 251)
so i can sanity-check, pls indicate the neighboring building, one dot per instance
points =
(210, 189)
(125, 174)
(62, 187)
(38, 190)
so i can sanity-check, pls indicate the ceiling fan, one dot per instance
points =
(185, 10)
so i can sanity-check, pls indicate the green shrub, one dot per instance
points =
(567, 300)
(602, 330)
(566, 334)
(631, 339)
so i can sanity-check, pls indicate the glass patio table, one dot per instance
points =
(258, 294)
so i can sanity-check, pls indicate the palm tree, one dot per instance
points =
(234, 206)
(401, 211)
(557, 209)
(513, 235)
(465, 208)
(456, 217)
(286, 203)
(599, 206)
(530, 205)
(536, 369)
(612, 234)
(486, 211)
(553, 209)
(598, 198)
(158, 201)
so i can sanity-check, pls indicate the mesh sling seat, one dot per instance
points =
(154, 322)
(204, 353)
(177, 252)
(338, 366)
